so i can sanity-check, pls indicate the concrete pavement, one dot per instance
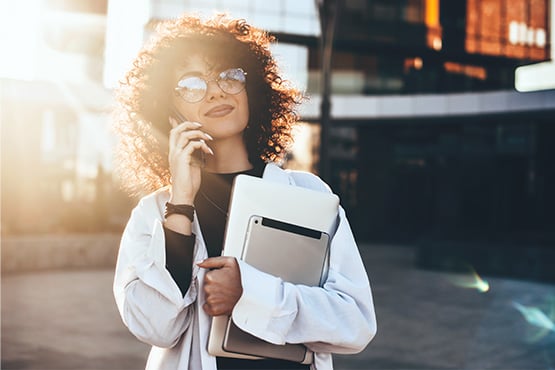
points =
(67, 319)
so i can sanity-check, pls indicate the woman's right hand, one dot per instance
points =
(185, 138)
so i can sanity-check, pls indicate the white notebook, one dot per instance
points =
(269, 223)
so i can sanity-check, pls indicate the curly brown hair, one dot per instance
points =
(144, 96)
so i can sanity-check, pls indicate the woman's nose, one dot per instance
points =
(213, 90)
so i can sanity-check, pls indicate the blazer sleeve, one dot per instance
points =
(149, 301)
(338, 317)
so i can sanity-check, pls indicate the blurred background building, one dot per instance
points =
(429, 142)
(56, 157)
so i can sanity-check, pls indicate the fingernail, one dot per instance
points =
(208, 136)
(197, 124)
(210, 150)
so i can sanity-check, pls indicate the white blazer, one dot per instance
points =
(336, 318)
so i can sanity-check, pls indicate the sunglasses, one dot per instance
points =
(193, 89)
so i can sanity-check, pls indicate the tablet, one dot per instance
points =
(295, 254)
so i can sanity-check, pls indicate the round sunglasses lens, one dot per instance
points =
(232, 81)
(192, 89)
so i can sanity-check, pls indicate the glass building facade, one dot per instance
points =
(442, 152)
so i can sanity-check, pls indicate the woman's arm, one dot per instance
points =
(338, 317)
(150, 302)
(179, 257)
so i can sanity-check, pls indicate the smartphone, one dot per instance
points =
(198, 155)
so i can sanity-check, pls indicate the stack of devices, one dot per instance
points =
(282, 230)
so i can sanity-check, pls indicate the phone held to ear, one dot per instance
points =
(199, 157)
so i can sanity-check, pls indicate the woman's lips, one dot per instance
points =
(220, 110)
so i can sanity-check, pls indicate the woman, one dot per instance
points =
(202, 103)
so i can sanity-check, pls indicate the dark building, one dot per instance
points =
(430, 143)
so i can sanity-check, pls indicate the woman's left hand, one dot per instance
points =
(222, 285)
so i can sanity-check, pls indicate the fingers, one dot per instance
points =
(183, 125)
(222, 285)
(196, 145)
(191, 135)
(186, 131)
(185, 138)
(216, 262)
(217, 309)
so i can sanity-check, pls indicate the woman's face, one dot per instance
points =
(222, 115)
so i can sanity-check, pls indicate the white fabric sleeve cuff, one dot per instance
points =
(256, 307)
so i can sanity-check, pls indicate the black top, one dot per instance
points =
(211, 205)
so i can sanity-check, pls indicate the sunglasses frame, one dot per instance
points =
(178, 89)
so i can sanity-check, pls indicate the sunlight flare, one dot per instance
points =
(470, 280)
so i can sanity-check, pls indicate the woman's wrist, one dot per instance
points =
(186, 210)
(179, 217)
(181, 197)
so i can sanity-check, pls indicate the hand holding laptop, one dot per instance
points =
(222, 285)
